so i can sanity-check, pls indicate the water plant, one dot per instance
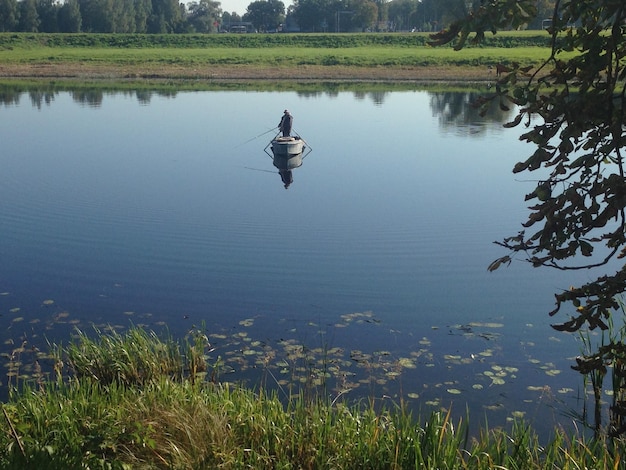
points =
(108, 417)
(608, 357)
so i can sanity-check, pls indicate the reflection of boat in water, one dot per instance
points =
(285, 165)
(287, 154)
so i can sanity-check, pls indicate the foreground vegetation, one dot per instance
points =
(135, 400)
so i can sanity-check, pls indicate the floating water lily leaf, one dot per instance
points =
(565, 390)
(406, 363)
(497, 381)
(15, 310)
(454, 391)
(5, 293)
(129, 313)
(486, 325)
(433, 402)
(450, 357)
(247, 322)
(535, 388)
(477, 387)
(424, 341)
(48, 302)
(18, 319)
(553, 372)
(495, 407)
(382, 353)
(415, 396)
(486, 353)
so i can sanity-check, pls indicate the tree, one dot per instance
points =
(265, 15)
(402, 14)
(143, 8)
(364, 13)
(574, 109)
(29, 19)
(48, 12)
(204, 15)
(166, 17)
(9, 15)
(544, 11)
(315, 15)
(70, 20)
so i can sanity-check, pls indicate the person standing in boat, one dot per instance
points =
(285, 123)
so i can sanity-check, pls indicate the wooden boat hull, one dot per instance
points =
(287, 146)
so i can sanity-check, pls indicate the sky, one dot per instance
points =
(239, 6)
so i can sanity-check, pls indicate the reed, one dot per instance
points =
(114, 416)
(134, 358)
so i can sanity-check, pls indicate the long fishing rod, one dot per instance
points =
(256, 137)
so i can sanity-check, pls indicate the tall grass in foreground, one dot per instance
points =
(120, 409)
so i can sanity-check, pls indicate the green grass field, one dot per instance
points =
(355, 50)
(283, 56)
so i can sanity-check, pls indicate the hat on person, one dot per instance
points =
(286, 111)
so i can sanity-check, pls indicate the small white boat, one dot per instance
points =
(287, 146)
(287, 154)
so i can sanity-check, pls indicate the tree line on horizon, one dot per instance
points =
(206, 16)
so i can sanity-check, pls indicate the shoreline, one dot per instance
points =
(83, 71)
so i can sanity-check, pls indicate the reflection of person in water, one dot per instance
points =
(285, 123)
(287, 177)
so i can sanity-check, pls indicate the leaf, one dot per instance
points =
(499, 262)
(514, 122)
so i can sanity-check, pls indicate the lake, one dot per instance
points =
(366, 278)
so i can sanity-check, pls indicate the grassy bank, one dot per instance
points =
(261, 56)
(135, 400)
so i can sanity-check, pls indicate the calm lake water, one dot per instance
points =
(371, 268)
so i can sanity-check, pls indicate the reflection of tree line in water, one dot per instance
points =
(457, 109)
(453, 108)
(90, 97)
